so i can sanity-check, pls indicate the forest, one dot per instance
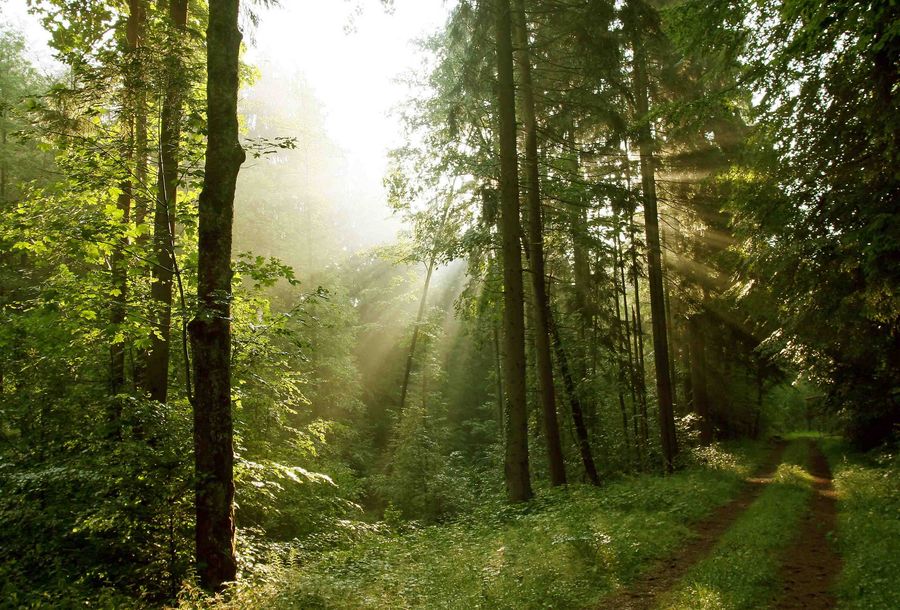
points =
(615, 325)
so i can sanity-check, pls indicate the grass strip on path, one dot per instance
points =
(657, 579)
(811, 564)
(742, 571)
(868, 491)
(566, 549)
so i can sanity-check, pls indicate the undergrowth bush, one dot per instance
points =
(868, 488)
(566, 548)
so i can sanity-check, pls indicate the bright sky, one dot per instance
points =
(14, 13)
(352, 72)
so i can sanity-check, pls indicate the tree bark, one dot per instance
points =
(622, 344)
(536, 255)
(518, 480)
(4, 164)
(410, 356)
(654, 264)
(499, 378)
(157, 373)
(132, 90)
(581, 431)
(136, 26)
(698, 378)
(119, 273)
(210, 330)
(581, 273)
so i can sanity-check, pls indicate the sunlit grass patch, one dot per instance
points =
(868, 489)
(565, 549)
(742, 571)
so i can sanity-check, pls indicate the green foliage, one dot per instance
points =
(420, 481)
(107, 508)
(742, 570)
(868, 488)
(565, 549)
(811, 193)
(775, 132)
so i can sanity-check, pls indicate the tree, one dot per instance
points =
(210, 330)
(518, 482)
(536, 252)
(811, 196)
(654, 252)
(132, 98)
(157, 373)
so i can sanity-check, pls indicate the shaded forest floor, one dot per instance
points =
(745, 526)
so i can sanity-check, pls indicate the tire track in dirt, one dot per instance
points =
(810, 565)
(662, 576)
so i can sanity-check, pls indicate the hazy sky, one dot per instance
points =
(352, 73)
(350, 52)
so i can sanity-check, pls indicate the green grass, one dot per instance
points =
(742, 570)
(868, 489)
(565, 549)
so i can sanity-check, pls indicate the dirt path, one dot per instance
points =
(644, 592)
(810, 565)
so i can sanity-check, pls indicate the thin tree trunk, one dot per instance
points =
(698, 378)
(133, 86)
(498, 373)
(4, 163)
(536, 256)
(139, 191)
(581, 431)
(4, 171)
(120, 287)
(638, 334)
(639, 349)
(157, 373)
(581, 273)
(632, 364)
(654, 265)
(210, 330)
(518, 480)
(621, 345)
(410, 356)
(670, 322)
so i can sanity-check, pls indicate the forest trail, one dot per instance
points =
(646, 590)
(810, 565)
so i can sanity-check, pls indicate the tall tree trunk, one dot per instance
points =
(119, 274)
(698, 378)
(670, 320)
(157, 373)
(4, 173)
(581, 273)
(410, 356)
(581, 431)
(4, 163)
(139, 191)
(536, 255)
(621, 342)
(498, 373)
(210, 330)
(642, 422)
(132, 89)
(639, 350)
(632, 361)
(654, 264)
(518, 480)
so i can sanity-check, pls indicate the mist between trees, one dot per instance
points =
(615, 232)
